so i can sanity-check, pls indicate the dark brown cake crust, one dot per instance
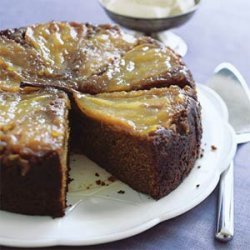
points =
(14, 34)
(155, 164)
(33, 189)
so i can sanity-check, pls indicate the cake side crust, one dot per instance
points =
(35, 192)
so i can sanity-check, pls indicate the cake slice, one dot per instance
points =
(149, 139)
(34, 135)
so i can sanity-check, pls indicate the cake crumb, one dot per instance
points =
(97, 175)
(213, 148)
(199, 167)
(112, 178)
(121, 192)
(198, 185)
(98, 182)
(201, 152)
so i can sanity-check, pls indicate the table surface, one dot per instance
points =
(218, 32)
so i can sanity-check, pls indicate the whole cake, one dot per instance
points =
(134, 107)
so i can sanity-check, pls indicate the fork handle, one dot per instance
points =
(225, 216)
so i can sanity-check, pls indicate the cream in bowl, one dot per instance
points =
(149, 8)
(150, 16)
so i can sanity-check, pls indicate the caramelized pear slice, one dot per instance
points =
(142, 111)
(33, 121)
(55, 41)
(104, 44)
(143, 67)
(18, 63)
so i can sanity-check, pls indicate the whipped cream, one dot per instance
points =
(149, 8)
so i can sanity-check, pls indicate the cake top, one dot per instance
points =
(17, 63)
(144, 65)
(87, 58)
(141, 111)
(32, 122)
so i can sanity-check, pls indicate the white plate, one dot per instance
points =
(101, 214)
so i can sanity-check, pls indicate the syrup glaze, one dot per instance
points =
(87, 58)
(141, 111)
(33, 122)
